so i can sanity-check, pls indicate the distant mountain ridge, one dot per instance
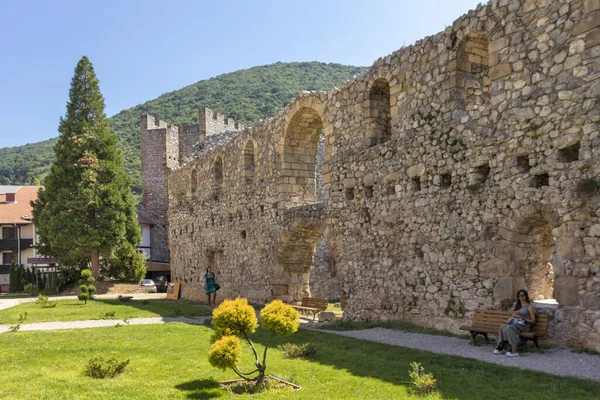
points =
(245, 95)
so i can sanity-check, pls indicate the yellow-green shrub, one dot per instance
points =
(225, 352)
(281, 318)
(235, 318)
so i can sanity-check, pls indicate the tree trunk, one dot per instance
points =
(95, 264)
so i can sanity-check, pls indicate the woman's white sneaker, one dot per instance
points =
(496, 351)
(509, 354)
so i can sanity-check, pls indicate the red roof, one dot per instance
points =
(20, 210)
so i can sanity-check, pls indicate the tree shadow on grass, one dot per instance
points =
(201, 389)
(457, 377)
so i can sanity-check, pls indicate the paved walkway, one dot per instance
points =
(560, 362)
(7, 303)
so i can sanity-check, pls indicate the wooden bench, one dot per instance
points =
(312, 305)
(489, 321)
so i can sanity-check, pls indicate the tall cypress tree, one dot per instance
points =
(86, 209)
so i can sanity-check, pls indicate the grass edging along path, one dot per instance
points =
(345, 325)
(170, 361)
(75, 310)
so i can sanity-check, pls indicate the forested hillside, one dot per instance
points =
(245, 95)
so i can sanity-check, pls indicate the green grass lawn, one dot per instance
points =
(75, 310)
(170, 362)
(345, 325)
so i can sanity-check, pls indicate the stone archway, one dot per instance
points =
(297, 254)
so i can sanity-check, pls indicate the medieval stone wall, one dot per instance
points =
(456, 171)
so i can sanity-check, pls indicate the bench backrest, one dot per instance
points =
(494, 318)
(315, 302)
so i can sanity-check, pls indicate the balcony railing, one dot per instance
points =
(13, 245)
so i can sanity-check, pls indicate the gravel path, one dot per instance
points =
(553, 361)
(98, 323)
(7, 303)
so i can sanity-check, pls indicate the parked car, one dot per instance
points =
(148, 285)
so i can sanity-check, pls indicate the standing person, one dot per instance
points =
(522, 319)
(210, 286)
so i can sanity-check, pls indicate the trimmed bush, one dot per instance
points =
(298, 350)
(100, 368)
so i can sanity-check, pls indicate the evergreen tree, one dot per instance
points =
(87, 210)
(13, 277)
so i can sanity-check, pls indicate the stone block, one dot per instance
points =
(416, 171)
(595, 230)
(592, 39)
(591, 301)
(326, 316)
(498, 44)
(591, 5)
(389, 178)
(499, 71)
(369, 180)
(504, 289)
(587, 23)
(570, 247)
(349, 183)
(566, 291)
(280, 290)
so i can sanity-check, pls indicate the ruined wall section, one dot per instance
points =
(439, 202)
(237, 238)
(486, 171)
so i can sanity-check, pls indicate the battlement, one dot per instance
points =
(212, 123)
(148, 122)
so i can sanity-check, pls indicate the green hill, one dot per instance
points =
(245, 95)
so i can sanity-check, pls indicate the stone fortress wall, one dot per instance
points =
(455, 172)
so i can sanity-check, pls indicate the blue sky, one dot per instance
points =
(141, 49)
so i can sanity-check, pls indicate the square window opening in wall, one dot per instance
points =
(368, 192)
(482, 173)
(522, 163)
(446, 180)
(416, 184)
(349, 194)
(569, 154)
(390, 189)
(540, 180)
(244, 234)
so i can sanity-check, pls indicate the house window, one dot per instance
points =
(7, 258)
(9, 232)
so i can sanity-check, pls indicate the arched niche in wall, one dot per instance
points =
(249, 162)
(380, 119)
(472, 65)
(299, 148)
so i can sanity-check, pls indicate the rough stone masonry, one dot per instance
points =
(454, 172)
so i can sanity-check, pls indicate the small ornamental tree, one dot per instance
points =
(235, 318)
(85, 284)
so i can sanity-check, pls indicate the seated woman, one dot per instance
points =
(523, 317)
